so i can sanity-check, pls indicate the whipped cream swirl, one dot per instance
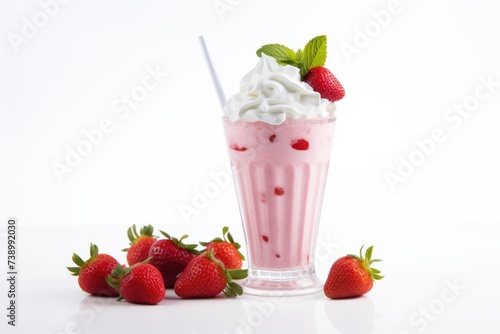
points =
(271, 93)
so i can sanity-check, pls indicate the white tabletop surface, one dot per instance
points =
(429, 287)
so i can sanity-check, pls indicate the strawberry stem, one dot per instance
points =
(232, 289)
(226, 237)
(366, 261)
(313, 54)
(133, 236)
(115, 278)
(189, 247)
(75, 271)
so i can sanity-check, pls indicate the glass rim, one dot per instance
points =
(320, 120)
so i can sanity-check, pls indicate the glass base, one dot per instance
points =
(281, 283)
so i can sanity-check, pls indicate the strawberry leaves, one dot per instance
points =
(232, 289)
(116, 277)
(227, 238)
(206, 276)
(133, 236)
(351, 275)
(75, 271)
(367, 261)
(189, 247)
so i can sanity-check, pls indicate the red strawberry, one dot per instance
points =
(351, 276)
(139, 244)
(93, 272)
(142, 283)
(205, 276)
(171, 256)
(226, 250)
(325, 83)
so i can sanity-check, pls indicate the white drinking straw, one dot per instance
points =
(213, 74)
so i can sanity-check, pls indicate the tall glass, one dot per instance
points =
(280, 175)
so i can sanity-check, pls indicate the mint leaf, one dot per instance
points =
(300, 63)
(314, 54)
(283, 54)
(299, 55)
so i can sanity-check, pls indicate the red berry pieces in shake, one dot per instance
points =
(272, 138)
(278, 191)
(265, 238)
(300, 145)
(237, 148)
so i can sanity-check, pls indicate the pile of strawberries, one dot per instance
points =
(157, 264)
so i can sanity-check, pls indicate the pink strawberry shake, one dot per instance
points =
(280, 174)
(279, 134)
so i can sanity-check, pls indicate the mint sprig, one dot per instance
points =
(313, 55)
(283, 54)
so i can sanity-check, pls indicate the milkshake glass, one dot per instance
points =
(280, 174)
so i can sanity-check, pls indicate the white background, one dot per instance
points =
(405, 74)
